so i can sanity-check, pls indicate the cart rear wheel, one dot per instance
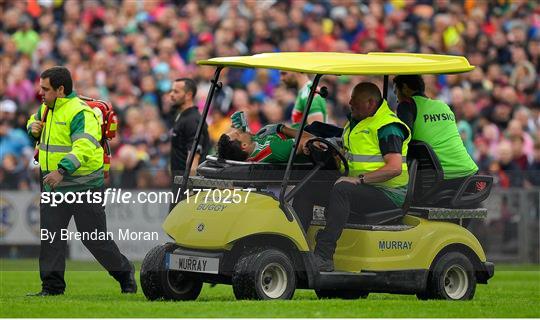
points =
(452, 278)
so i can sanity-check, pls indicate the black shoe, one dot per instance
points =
(323, 265)
(44, 293)
(130, 285)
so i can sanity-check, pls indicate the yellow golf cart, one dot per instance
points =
(235, 227)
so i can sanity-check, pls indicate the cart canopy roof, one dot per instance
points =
(373, 63)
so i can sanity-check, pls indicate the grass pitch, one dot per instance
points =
(513, 292)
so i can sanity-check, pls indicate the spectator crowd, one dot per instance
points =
(128, 52)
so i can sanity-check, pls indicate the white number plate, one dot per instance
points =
(182, 262)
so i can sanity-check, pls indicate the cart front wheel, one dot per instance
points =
(264, 274)
(159, 283)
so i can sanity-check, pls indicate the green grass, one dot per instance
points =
(513, 292)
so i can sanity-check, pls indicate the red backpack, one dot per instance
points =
(109, 126)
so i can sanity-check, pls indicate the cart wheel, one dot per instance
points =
(264, 274)
(452, 278)
(159, 283)
(341, 294)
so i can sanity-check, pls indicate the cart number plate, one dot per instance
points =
(193, 264)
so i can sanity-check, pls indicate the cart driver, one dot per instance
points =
(375, 143)
(272, 144)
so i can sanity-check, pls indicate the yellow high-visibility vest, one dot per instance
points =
(362, 146)
(76, 147)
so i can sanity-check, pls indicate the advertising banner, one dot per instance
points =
(135, 226)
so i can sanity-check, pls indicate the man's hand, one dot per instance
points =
(353, 180)
(269, 129)
(35, 128)
(239, 121)
(53, 179)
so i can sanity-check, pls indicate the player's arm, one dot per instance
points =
(291, 133)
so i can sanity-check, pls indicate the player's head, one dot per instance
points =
(234, 145)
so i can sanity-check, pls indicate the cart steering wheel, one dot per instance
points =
(319, 156)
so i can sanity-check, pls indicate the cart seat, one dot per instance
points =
(387, 220)
(429, 190)
(391, 217)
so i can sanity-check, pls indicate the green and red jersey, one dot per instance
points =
(273, 148)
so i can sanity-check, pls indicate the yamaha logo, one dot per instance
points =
(200, 227)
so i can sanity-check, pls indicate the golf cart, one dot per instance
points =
(236, 228)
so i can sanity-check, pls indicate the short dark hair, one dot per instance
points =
(189, 86)
(230, 149)
(413, 81)
(59, 76)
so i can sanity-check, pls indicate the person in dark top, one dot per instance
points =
(506, 171)
(483, 156)
(433, 122)
(520, 158)
(533, 171)
(134, 168)
(184, 128)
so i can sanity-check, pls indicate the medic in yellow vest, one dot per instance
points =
(362, 146)
(375, 142)
(71, 160)
(68, 135)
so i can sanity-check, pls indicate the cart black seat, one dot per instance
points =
(430, 190)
